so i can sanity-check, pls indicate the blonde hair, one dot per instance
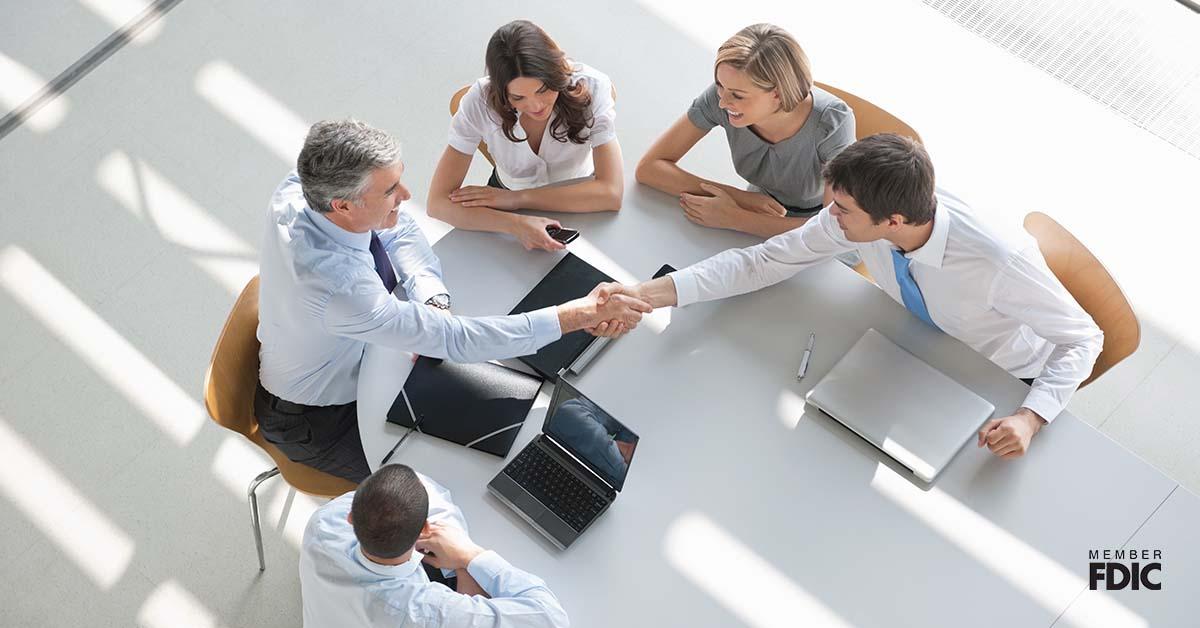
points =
(773, 59)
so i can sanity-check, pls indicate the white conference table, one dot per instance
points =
(745, 508)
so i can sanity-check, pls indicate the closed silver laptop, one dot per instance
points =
(908, 409)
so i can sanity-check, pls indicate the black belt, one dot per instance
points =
(283, 404)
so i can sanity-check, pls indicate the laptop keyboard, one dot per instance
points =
(556, 487)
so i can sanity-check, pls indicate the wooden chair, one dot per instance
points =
(1092, 286)
(870, 119)
(457, 98)
(229, 386)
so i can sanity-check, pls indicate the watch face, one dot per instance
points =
(440, 300)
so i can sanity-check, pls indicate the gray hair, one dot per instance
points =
(338, 158)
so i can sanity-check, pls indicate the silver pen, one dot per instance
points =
(812, 339)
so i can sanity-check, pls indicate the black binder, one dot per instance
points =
(481, 406)
(570, 279)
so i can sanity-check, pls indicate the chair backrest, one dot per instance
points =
(1093, 288)
(870, 119)
(457, 98)
(232, 375)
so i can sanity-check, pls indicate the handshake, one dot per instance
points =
(612, 309)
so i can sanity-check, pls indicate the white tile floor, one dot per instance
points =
(143, 206)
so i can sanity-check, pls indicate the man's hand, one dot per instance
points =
(531, 232)
(602, 306)
(719, 211)
(1009, 437)
(486, 196)
(602, 293)
(447, 547)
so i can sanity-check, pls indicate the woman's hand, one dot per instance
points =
(718, 211)
(531, 232)
(760, 203)
(484, 196)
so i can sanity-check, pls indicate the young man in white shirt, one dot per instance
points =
(988, 287)
(361, 564)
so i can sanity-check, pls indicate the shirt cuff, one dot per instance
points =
(462, 144)
(1043, 403)
(425, 287)
(686, 291)
(486, 569)
(545, 325)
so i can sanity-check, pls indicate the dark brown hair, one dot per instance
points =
(886, 174)
(389, 510)
(522, 49)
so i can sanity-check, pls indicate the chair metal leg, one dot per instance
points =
(262, 477)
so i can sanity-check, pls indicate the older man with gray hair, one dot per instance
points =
(343, 267)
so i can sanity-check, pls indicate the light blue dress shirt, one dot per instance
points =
(321, 302)
(342, 587)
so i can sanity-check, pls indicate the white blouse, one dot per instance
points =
(516, 164)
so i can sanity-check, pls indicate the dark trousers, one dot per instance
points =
(435, 575)
(323, 437)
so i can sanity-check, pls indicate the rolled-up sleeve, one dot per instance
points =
(367, 313)
(466, 128)
(738, 271)
(604, 115)
(418, 266)
(1028, 292)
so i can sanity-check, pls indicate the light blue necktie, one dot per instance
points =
(908, 288)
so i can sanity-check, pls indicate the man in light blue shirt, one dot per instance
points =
(343, 267)
(360, 564)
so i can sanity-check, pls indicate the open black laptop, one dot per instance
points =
(566, 477)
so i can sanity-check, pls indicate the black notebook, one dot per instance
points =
(481, 405)
(570, 279)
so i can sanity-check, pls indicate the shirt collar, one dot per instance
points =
(403, 570)
(934, 250)
(361, 241)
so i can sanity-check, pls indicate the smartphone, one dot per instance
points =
(566, 236)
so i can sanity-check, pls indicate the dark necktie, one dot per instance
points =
(383, 265)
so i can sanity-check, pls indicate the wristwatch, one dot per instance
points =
(439, 301)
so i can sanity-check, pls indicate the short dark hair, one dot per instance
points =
(389, 510)
(886, 174)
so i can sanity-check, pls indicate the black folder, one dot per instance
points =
(570, 279)
(481, 406)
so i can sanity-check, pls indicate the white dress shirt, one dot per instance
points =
(321, 302)
(989, 287)
(341, 587)
(516, 164)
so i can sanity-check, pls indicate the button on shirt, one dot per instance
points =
(342, 587)
(518, 167)
(988, 287)
(321, 302)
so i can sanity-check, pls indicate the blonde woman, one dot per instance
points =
(549, 124)
(781, 129)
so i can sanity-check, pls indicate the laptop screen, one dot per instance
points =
(590, 434)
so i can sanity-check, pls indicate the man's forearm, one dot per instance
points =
(765, 226)
(467, 584)
(658, 292)
(572, 316)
